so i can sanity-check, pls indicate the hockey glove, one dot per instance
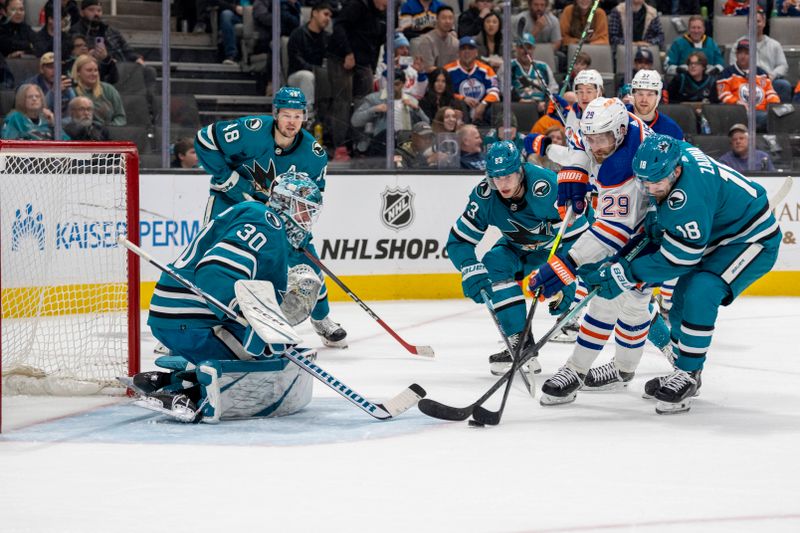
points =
(652, 228)
(474, 279)
(573, 186)
(252, 342)
(611, 280)
(554, 275)
(563, 301)
(536, 143)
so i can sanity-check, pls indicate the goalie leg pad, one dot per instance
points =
(208, 374)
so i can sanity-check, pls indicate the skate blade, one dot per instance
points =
(610, 387)
(667, 408)
(342, 344)
(547, 400)
(181, 413)
(500, 369)
(562, 338)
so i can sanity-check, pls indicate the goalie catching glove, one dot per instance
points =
(302, 290)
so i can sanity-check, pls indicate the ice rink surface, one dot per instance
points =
(604, 463)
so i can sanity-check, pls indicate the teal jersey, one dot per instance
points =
(710, 206)
(527, 225)
(247, 241)
(240, 153)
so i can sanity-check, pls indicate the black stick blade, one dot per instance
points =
(486, 417)
(441, 411)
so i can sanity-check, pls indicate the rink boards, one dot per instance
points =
(385, 234)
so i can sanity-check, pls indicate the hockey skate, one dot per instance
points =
(500, 362)
(178, 406)
(569, 331)
(332, 334)
(150, 382)
(676, 392)
(562, 387)
(160, 349)
(606, 378)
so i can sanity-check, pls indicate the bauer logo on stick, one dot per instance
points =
(397, 207)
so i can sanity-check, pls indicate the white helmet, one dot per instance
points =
(605, 114)
(649, 80)
(589, 77)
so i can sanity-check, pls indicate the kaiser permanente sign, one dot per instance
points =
(385, 234)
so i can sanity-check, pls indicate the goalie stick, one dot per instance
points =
(393, 407)
(424, 351)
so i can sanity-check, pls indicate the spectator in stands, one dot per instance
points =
(770, 58)
(69, 11)
(230, 14)
(646, 25)
(583, 61)
(108, 67)
(290, 16)
(307, 48)
(470, 22)
(439, 47)
(358, 33)
(107, 103)
(737, 157)
(416, 82)
(80, 125)
(92, 27)
(788, 8)
(490, 41)
(471, 148)
(557, 136)
(262, 19)
(474, 82)
(46, 78)
(695, 39)
(573, 21)
(540, 22)
(418, 17)
(733, 83)
(418, 151)
(796, 98)
(526, 84)
(43, 40)
(185, 154)
(438, 94)
(16, 37)
(447, 120)
(370, 116)
(740, 7)
(30, 120)
(499, 133)
(694, 84)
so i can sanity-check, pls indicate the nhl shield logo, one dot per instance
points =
(397, 207)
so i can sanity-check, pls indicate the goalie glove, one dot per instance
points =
(302, 289)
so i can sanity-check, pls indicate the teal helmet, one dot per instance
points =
(298, 201)
(502, 159)
(289, 98)
(656, 158)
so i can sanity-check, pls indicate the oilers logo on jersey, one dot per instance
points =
(472, 88)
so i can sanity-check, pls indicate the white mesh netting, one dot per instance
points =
(63, 277)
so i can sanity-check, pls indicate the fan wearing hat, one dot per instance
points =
(474, 82)
(413, 85)
(733, 85)
(98, 32)
(525, 81)
(737, 158)
(45, 79)
(417, 152)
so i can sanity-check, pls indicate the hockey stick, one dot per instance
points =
(531, 384)
(395, 406)
(424, 351)
(482, 416)
(585, 33)
(781, 193)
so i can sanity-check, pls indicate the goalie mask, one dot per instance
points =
(298, 201)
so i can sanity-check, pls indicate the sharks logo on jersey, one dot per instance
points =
(530, 238)
(264, 178)
(676, 199)
(253, 124)
(541, 188)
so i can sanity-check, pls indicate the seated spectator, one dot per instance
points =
(556, 134)
(526, 83)
(80, 125)
(306, 48)
(418, 152)
(788, 8)
(185, 154)
(108, 67)
(474, 82)
(694, 84)
(490, 41)
(471, 148)
(583, 61)
(470, 22)
(540, 22)
(770, 58)
(43, 40)
(438, 93)
(499, 133)
(447, 120)
(646, 25)
(108, 110)
(370, 117)
(69, 11)
(740, 7)
(418, 17)
(92, 27)
(439, 47)
(16, 37)
(695, 39)
(290, 16)
(416, 80)
(573, 21)
(30, 120)
(46, 78)
(733, 82)
(262, 19)
(737, 158)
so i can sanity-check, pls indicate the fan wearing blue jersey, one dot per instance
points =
(715, 232)
(243, 157)
(248, 241)
(518, 199)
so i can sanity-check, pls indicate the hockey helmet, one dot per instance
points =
(289, 97)
(298, 201)
(605, 115)
(649, 80)
(589, 77)
(656, 158)
(502, 159)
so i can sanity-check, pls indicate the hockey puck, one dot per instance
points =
(475, 424)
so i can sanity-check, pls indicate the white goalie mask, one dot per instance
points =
(606, 115)
(649, 80)
(302, 289)
(589, 77)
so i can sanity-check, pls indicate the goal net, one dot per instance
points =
(70, 294)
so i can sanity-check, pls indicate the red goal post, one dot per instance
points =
(69, 295)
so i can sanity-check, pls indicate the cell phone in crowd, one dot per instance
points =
(99, 41)
(405, 61)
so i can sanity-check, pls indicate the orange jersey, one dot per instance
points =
(732, 87)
